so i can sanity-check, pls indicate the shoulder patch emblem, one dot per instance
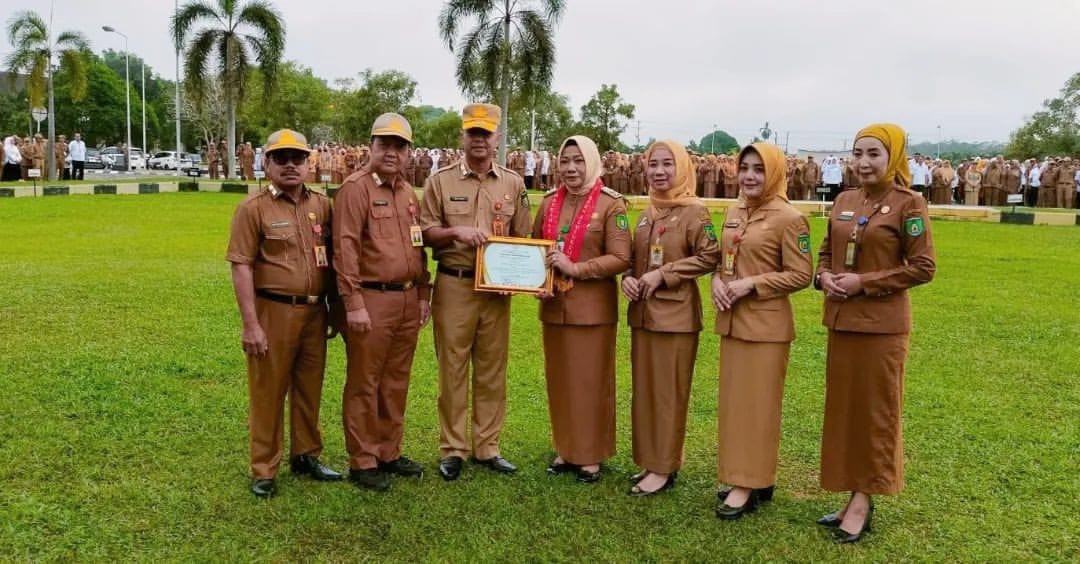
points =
(804, 243)
(525, 199)
(621, 222)
(913, 226)
(710, 231)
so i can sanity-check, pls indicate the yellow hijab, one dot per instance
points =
(776, 166)
(594, 166)
(684, 186)
(895, 141)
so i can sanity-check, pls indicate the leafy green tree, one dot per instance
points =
(554, 120)
(15, 113)
(511, 46)
(34, 51)
(100, 117)
(443, 131)
(234, 35)
(718, 142)
(1054, 130)
(300, 101)
(605, 116)
(355, 108)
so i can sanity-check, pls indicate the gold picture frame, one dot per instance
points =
(517, 267)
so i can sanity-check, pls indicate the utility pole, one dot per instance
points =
(637, 137)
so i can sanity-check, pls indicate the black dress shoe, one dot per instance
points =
(310, 466)
(556, 468)
(497, 463)
(402, 467)
(636, 490)
(450, 468)
(765, 494)
(586, 477)
(370, 478)
(843, 537)
(263, 488)
(831, 520)
(725, 511)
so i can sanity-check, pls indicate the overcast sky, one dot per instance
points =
(819, 70)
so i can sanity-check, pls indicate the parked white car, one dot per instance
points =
(165, 160)
(116, 156)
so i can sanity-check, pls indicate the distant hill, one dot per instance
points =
(953, 148)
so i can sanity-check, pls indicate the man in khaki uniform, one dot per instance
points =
(40, 150)
(1066, 184)
(811, 176)
(383, 280)
(1049, 179)
(247, 162)
(60, 150)
(212, 159)
(993, 183)
(423, 171)
(281, 275)
(464, 204)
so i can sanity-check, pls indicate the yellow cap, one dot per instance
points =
(483, 116)
(286, 139)
(391, 124)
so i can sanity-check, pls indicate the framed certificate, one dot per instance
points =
(511, 264)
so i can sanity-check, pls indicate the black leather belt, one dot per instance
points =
(456, 273)
(291, 300)
(389, 286)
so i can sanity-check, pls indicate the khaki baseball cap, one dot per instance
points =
(286, 139)
(482, 116)
(392, 125)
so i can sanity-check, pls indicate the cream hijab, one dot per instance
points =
(594, 167)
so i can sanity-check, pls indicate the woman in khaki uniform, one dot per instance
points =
(674, 244)
(878, 245)
(589, 222)
(765, 256)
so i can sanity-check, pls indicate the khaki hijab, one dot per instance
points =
(776, 169)
(684, 186)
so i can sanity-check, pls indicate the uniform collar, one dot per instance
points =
(277, 194)
(467, 172)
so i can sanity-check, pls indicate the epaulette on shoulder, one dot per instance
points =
(551, 192)
(610, 192)
(510, 170)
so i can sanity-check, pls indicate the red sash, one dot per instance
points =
(573, 240)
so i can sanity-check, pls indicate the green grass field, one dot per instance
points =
(122, 418)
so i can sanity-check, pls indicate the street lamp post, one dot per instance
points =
(712, 144)
(939, 141)
(127, 94)
(176, 10)
(142, 72)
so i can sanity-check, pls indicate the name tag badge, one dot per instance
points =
(320, 256)
(278, 224)
(732, 223)
(459, 198)
(380, 203)
(729, 263)
(656, 255)
(846, 216)
(416, 235)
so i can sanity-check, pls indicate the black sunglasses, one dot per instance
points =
(281, 158)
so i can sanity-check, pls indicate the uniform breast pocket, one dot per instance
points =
(458, 213)
(277, 247)
(383, 222)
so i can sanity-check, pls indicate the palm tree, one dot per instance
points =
(512, 45)
(33, 56)
(232, 34)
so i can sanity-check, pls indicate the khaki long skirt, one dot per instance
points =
(749, 407)
(663, 368)
(579, 364)
(862, 445)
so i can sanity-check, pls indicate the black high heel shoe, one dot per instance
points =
(832, 520)
(844, 537)
(556, 468)
(586, 477)
(636, 490)
(729, 513)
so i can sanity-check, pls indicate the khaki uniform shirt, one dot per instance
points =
(895, 251)
(690, 250)
(605, 253)
(277, 237)
(372, 239)
(773, 251)
(458, 197)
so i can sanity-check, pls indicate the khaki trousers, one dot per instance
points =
(377, 377)
(292, 367)
(470, 328)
